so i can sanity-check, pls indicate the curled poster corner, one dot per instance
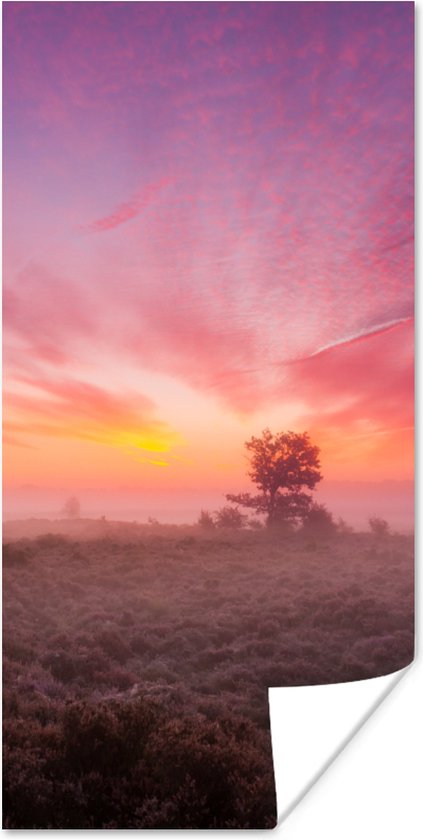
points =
(312, 725)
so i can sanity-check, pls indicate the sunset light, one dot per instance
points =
(208, 231)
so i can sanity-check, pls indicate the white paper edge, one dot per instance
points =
(311, 725)
(373, 788)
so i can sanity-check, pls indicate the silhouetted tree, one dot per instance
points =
(72, 508)
(281, 466)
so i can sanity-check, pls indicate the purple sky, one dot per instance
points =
(208, 229)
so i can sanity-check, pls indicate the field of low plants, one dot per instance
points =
(137, 661)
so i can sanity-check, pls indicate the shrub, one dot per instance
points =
(205, 520)
(220, 775)
(51, 541)
(140, 643)
(133, 765)
(14, 556)
(61, 665)
(319, 521)
(107, 738)
(114, 646)
(229, 517)
(118, 678)
(378, 527)
(255, 524)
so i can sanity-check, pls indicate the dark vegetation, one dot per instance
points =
(137, 662)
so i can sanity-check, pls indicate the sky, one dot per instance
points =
(208, 230)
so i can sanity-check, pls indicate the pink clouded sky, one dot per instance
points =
(207, 230)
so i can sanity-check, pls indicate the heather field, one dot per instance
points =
(137, 661)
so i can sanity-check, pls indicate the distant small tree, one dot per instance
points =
(379, 527)
(205, 520)
(281, 466)
(72, 508)
(230, 517)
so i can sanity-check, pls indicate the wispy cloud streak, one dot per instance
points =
(129, 209)
(377, 329)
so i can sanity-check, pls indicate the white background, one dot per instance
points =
(374, 789)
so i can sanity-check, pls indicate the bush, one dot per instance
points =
(107, 738)
(205, 520)
(14, 556)
(49, 541)
(319, 521)
(230, 517)
(220, 774)
(61, 665)
(114, 646)
(255, 524)
(378, 527)
(133, 765)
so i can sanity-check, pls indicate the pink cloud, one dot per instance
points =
(130, 209)
(366, 379)
(274, 145)
(46, 312)
(76, 409)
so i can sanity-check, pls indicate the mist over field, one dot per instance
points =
(354, 501)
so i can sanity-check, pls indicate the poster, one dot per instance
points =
(208, 393)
